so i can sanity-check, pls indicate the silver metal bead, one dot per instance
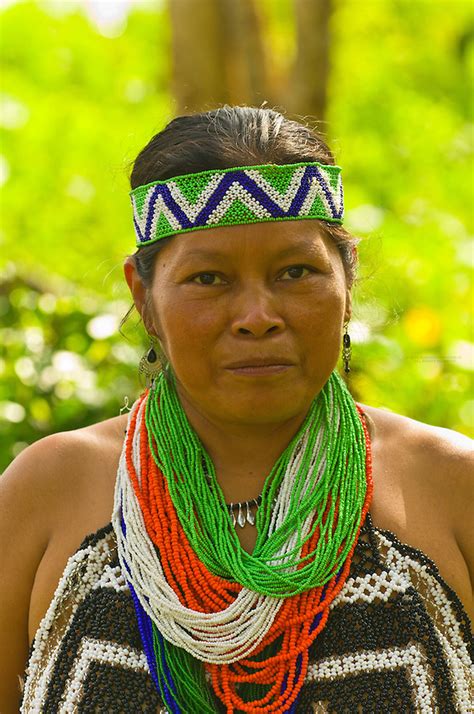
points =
(250, 515)
(241, 517)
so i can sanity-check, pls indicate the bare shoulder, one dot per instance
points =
(45, 511)
(439, 453)
(448, 460)
(112, 430)
(39, 473)
(430, 471)
(48, 480)
(55, 462)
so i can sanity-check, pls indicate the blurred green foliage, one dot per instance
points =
(400, 107)
(77, 106)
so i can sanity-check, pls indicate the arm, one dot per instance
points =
(29, 496)
(450, 463)
(459, 455)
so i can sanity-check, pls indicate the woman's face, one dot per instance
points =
(273, 290)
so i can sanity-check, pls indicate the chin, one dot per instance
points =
(266, 408)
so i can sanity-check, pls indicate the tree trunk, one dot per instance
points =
(308, 91)
(246, 60)
(198, 50)
(221, 55)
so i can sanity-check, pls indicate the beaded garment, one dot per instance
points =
(397, 639)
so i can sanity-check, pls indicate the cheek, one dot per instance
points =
(188, 328)
(322, 308)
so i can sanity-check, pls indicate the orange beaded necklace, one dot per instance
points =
(278, 676)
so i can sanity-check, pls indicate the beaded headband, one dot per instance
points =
(246, 194)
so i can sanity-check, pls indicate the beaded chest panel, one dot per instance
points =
(397, 639)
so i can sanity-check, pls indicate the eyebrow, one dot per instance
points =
(297, 247)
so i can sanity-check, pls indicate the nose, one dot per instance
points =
(255, 311)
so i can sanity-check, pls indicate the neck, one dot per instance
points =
(243, 455)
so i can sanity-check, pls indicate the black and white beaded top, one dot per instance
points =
(397, 639)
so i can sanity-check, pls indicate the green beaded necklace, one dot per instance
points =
(329, 477)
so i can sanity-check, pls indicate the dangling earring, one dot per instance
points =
(150, 365)
(126, 407)
(346, 349)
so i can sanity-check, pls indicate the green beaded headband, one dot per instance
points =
(227, 197)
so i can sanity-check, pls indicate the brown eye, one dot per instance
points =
(295, 271)
(205, 277)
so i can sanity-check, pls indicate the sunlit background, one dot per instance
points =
(84, 85)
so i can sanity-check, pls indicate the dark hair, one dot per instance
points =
(224, 138)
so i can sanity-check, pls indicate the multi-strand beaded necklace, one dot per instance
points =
(223, 628)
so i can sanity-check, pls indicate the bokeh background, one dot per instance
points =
(84, 86)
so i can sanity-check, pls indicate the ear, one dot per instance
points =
(140, 295)
(348, 309)
(135, 284)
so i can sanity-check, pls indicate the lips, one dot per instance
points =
(270, 361)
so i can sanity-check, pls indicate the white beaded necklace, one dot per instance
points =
(232, 633)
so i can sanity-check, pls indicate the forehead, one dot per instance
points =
(269, 239)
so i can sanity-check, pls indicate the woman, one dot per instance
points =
(273, 547)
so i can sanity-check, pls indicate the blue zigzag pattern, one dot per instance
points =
(161, 200)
